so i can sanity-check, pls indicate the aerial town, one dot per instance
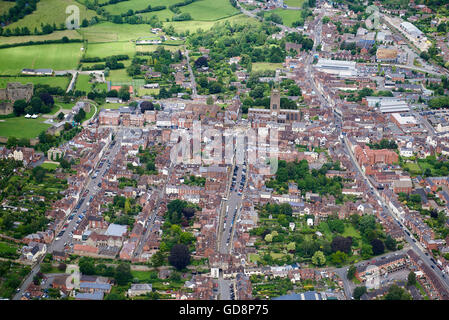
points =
(224, 150)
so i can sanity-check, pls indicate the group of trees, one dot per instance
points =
(179, 211)
(384, 144)
(39, 103)
(306, 179)
(121, 273)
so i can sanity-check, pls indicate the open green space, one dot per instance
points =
(29, 128)
(107, 49)
(264, 66)
(54, 56)
(210, 10)
(193, 26)
(49, 165)
(50, 12)
(294, 3)
(56, 35)
(288, 16)
(61, 82)
(123, 7)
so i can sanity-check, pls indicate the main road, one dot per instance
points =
(63, 241)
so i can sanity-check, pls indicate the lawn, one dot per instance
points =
(147, 92)
(61, 82)
(210, 10)
(55, 56)
(264, 66)
(254, 257)
(49, 165)
(414, 168)
(288, 16)
(82, 83)
(50, 11)
(20, 127)
(294, 3)
(350, 231)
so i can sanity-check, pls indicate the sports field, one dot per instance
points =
(54, 56)
(29, 128)
(61, 82)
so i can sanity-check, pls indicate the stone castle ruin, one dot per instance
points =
(14, 91)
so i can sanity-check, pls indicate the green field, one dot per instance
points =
(210, 10)
(57, 35)
(62, 82)
(5, 6)
(288, 16)
(193, 26)
(264, 66)
(29, 128)
(107, 32)
(49, 165)
(106, 49)
(50, 11)
(294, 3)
(123, 7)
(54, 56)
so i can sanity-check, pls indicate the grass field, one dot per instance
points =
(51, 11)
(294, 3)
(288, 16)
(49, 165)
(106, 49)
(29, 128)
(123, 7)
(263, 66)
(5, 6)
(414, 168)
(62, 82)
(108, 32)
(193, 26)
(210, 10)
(57, 35)
(55, 56)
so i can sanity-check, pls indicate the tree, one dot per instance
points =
(351, 272)
(318, 258)
(269, 237)
(87, 266)
(397, 293)
(36, 104)
(123, 274)
(47, 99)
(378, 246)
(210, 101)
(390, 243)
(60, 116)
(19, 107)
(146, 105)
(179, 256)
(338, 257)
(201, 62)
(342, 244)
(411, 279)
(358, 292)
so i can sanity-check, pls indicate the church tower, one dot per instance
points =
(275, 102)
